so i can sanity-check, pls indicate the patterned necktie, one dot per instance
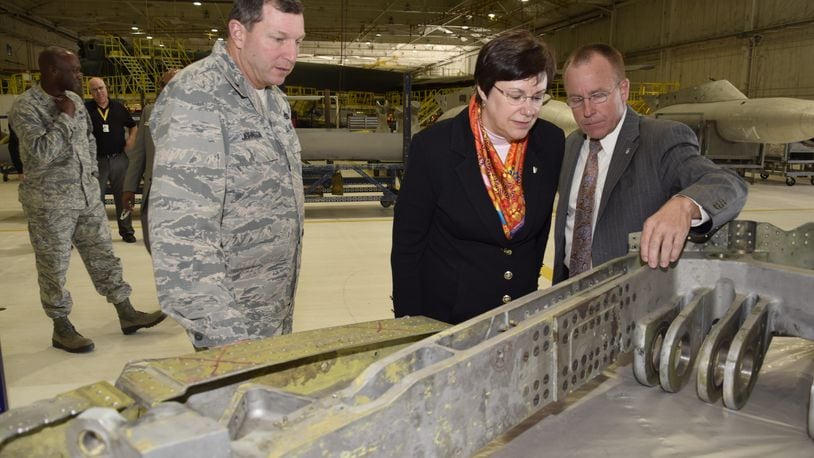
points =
(583, 218)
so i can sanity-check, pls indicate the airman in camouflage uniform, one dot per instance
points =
(60, 198)
(226, 203)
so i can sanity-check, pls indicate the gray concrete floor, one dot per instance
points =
(345, 278)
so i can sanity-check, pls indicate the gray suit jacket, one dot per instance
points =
(654, 159)
(141, 157)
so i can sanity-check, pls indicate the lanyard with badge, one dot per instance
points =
(105, 125)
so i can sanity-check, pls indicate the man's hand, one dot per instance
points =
(131, 139)
(128, 199)
(65, 105)
(665, 231)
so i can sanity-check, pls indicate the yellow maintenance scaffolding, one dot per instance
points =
(141, 64)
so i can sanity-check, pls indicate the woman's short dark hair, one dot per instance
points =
(250, 12)
(513, 56)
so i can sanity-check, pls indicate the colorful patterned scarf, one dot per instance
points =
(504, 182)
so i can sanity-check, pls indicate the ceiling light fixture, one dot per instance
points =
(135, 27)
(214, 30)
(149, 37)
(220, 39)
(491, 16)
(197, 3)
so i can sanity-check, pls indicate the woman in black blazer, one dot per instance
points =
(474, 210)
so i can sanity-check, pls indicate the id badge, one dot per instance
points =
(105, 127)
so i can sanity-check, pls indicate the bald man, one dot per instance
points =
(110, 119)
(60, 199)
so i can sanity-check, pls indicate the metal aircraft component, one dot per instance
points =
(453, 392)
(168, 430)
(811, 411)
(304, 364)
(340, 144)
(738, 118)
(736, 328)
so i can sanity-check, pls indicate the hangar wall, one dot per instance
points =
(763, 47)
(21, 43)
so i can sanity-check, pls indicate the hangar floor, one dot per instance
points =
(345, 278)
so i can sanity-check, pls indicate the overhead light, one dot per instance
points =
(149, 37)
(491, 15)
(135, 27)
(214, 30)
(220, 39)
(197, 3)
(378, 34)
(465, 27)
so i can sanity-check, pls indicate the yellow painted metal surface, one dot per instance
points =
(154, 381)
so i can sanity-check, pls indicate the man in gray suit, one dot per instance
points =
(625, 173)
(141, 164)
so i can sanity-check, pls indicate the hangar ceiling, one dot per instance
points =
(384, 34)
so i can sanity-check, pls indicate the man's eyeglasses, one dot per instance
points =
(517, 97)
(596, 98)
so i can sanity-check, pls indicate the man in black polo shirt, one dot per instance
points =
(110, 118)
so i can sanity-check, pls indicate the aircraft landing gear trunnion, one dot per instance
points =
(725, 329)
(412, 386)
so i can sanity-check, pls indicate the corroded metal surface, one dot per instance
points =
(45, 417)
(154, 381)
(451, 393)
(305, 363)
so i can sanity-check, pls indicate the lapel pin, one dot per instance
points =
(533, 169)
(627, 151)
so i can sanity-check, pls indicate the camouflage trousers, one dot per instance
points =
(52, 233)
(263, 307)
(229, 325)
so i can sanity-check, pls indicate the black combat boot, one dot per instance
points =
(132, 320)
(66, 338)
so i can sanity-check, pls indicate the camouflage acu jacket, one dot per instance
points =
(58, 152)
(226, 203)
